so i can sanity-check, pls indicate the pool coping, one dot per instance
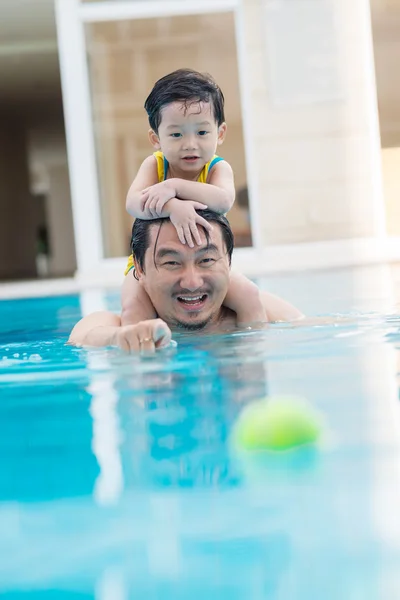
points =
(51, 287)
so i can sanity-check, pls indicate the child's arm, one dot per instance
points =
(252, 305)
(218, 194)
(244, 298)
(146, 176)
(278, 309)
(146, 182)
(136, 304)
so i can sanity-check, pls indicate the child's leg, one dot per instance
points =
(244, 299)
(136, 305)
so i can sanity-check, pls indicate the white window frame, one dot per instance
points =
(71, 17)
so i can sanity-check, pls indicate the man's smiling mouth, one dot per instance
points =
(192, 302)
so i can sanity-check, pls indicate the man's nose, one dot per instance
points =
(191, 279)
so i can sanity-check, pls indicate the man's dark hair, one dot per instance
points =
(187, 86)
(141, 235)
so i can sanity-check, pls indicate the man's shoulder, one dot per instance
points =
(228, 319)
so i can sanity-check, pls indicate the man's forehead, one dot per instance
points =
(165, 235)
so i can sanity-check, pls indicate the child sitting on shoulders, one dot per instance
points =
(187, 123)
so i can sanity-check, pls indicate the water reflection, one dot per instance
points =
(175, 412)
(122, 481)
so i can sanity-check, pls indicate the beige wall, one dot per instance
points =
(59, 214)
(34, 161)
(50, 175)
(386, 33)
(391, 180)
(18, 217)
(316, 160)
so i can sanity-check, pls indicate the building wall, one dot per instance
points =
(386, 33)
(317, 150)
(50, 175)
(386, 36)
(62, 259)
(391, 181)
(18, 216)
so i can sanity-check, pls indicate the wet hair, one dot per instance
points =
(141, 235)
(186, 86)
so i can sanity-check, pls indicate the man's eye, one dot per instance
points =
(171, 263)
(207, 261)
(176, 135)
(203, 132)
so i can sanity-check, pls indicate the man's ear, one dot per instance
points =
(222, 133)
(154, 139)
(137, 272)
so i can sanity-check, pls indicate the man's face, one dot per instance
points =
(187, 286)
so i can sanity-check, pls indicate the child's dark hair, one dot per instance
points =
(187, 86)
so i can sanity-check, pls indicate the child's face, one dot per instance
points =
(188, 135)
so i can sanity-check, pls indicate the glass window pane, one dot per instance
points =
(125, 60)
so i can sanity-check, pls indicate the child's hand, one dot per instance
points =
(184, 217)
(156, 196)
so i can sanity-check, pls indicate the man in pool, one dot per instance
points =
(186, 286)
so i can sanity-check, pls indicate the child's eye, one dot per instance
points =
(203, 132)
(176, 135)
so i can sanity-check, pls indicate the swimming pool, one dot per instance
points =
(118, 479)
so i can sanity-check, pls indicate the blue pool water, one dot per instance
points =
(118, 478)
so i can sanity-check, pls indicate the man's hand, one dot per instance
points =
(185, 219)
(143, 337)
(156, 196)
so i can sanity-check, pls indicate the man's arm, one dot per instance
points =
(279, 310)
(105, 329)
(97, 329)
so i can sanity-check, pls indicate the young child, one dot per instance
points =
(187, 123)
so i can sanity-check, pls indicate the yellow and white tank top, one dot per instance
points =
(162, 167)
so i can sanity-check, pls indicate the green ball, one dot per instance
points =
(278, 424)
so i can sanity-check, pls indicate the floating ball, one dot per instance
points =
(277, 424)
